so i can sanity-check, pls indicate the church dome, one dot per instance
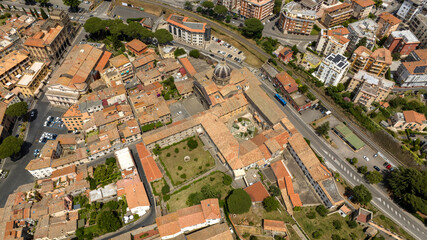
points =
(222, 73)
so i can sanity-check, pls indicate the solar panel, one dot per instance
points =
(420, 69)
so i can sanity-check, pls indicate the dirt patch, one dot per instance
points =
(148, 8)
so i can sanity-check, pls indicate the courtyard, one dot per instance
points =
(181, 163)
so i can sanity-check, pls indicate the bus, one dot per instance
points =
(281, 100)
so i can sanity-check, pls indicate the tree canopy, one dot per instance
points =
(108, 221)
(220, 10)
(17, 109)
(10, 146)
(195, 53)
(43, 2)
(274, 191)
(179, 52)
(206, 192)
(323, 129)
(362, 194)
(208, 4)
(192, 143)
(277, 6)
(270, 204)
(239, 201)
(409, 185)
(188, 6)
(253, 28)
(163, 36)
(43, 13)
(73, 4)
(374, 177)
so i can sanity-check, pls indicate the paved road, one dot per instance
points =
(334, 162)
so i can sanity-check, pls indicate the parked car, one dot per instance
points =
(385, 164)
(388, 166)
(377, 168)
(366, 158)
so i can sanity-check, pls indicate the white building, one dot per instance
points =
(410, 8)
(333, 40)
(333, 69)
(40, 168)
(136, 197)
(196, 34)
(366, 28)
(418, 25)
(125, 159)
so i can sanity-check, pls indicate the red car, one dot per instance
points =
(388, 166)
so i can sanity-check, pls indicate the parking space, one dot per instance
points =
(311, 114)
(225, 49)
(178, 111)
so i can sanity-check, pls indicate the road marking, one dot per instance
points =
(388, 206)
(400, 215)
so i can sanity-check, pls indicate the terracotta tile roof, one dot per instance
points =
(42, 39)
(274, 225)
(382, 55)
(412, 116)
(287, 81)
(11, 60)
(38, 163)
(144, 59)
(345, 209)
(363, 51)
(364, 3)
(136, 45)
(295, 200)
(119, 61)
(285, 51)
(390, 18)
(190, 216)
(188, 66)
(210, 208)
(151, 170)
(135, 194)
(168, 224)
(184, 87)
(279, 169)
(421, 53)
(411, 66)
(103, 61)
(214, 232)
(64, 171)
(257, 192)
(180, 22)
(337, 7)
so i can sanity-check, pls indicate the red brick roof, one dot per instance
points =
(151, 170)
(257, 192)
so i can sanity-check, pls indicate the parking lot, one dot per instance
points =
(225, 49)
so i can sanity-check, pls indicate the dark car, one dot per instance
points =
(385, 164)
(377, 168)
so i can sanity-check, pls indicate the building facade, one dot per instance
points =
(296, 20)
(409, 120)
(124, 67)
(377, 62)
(413, 72)
(336, 15)
(402, 42)
(410, 8)
(197, 34)
(11, 68)
(362, 8)
(418, 26)
(362, 29)
(332, 41)
(333, 69)
(258, 9)
(387, 23)
(32, 80)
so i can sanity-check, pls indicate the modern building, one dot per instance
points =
(369, 88)
(377, 62)
(333, 69)
(387, 23)
(258, 9)
(32, 79)
(410, 8)
(336, 15)
(402, 42)
(362, 8)
(418, 26)
(189, 219)
(332, 41)
(315, 5)
(124, 67)
(73, 77)
(409, 120)
(296, 20)
(413, 72)
(11, 68)
(363, 29)
(196, 34)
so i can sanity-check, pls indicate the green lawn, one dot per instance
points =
(324, 224)
(389, 224)
(178, 199)
(257, 213)
(180, 171)
(292, 233)
(157, 186)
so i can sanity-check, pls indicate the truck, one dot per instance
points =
(280, 99)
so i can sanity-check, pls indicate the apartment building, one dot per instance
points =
(365, 28)
(124, 67)
(387, 23)
(296, 20)
(332, 40)
(409, 120)
(336, 15)
(413, 72)
(136, 47)
(315, 5)
(377, 62)
(402, 42)
(258, 9)
(333, 69)
(362, 8)
(418, 26)
(72, 78)
(6, 122)
(369, 88)
(410, 8)
(32, 79)
(48, 44)
(229, 4)
(196, 34)
(11, 68)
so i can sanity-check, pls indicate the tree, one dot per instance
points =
(374, 177)
(199, 9)
(179, 52)
(322, 210)
(295, 49)
(36, 13)
(253, 237)
(43, 2)
(323, 129)
(253, 28)
(73, 4)
(340, 87)
(192, 143)
(10, 146)
(239, 201)
(317, 234)
(43, 13)
(165, 189)
(362, 194)
(163, 36)
(210, 192)
(195, 53)
(362, 169)
(227, 180)
(395, 56)
(274, 191)
(208, 5)
(195, 198)
(335, 237)
(188, 6)
(108, 221)
(303, 88)
(17, 109)
(277, 6)
(270, 204)
(220, 10)
(362, 42)
(352, 224)
(337, 224)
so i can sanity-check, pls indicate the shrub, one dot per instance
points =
(311, 215)
(196, 159)
(337, 224)
(200, 167)
(168, 154)
(322, 210)
(166, 197)
(192, 144)
(176, 150)
(227, 180)
(270, 204)
(239, 201)
(207, 164)
(195, 53)
(165, 189)
(317, 234)
(110, 161)
(108, 221)
(352, 224)
(179, 168)
(274, 191)
(335, 237)
(183, 176)
(212, 179)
